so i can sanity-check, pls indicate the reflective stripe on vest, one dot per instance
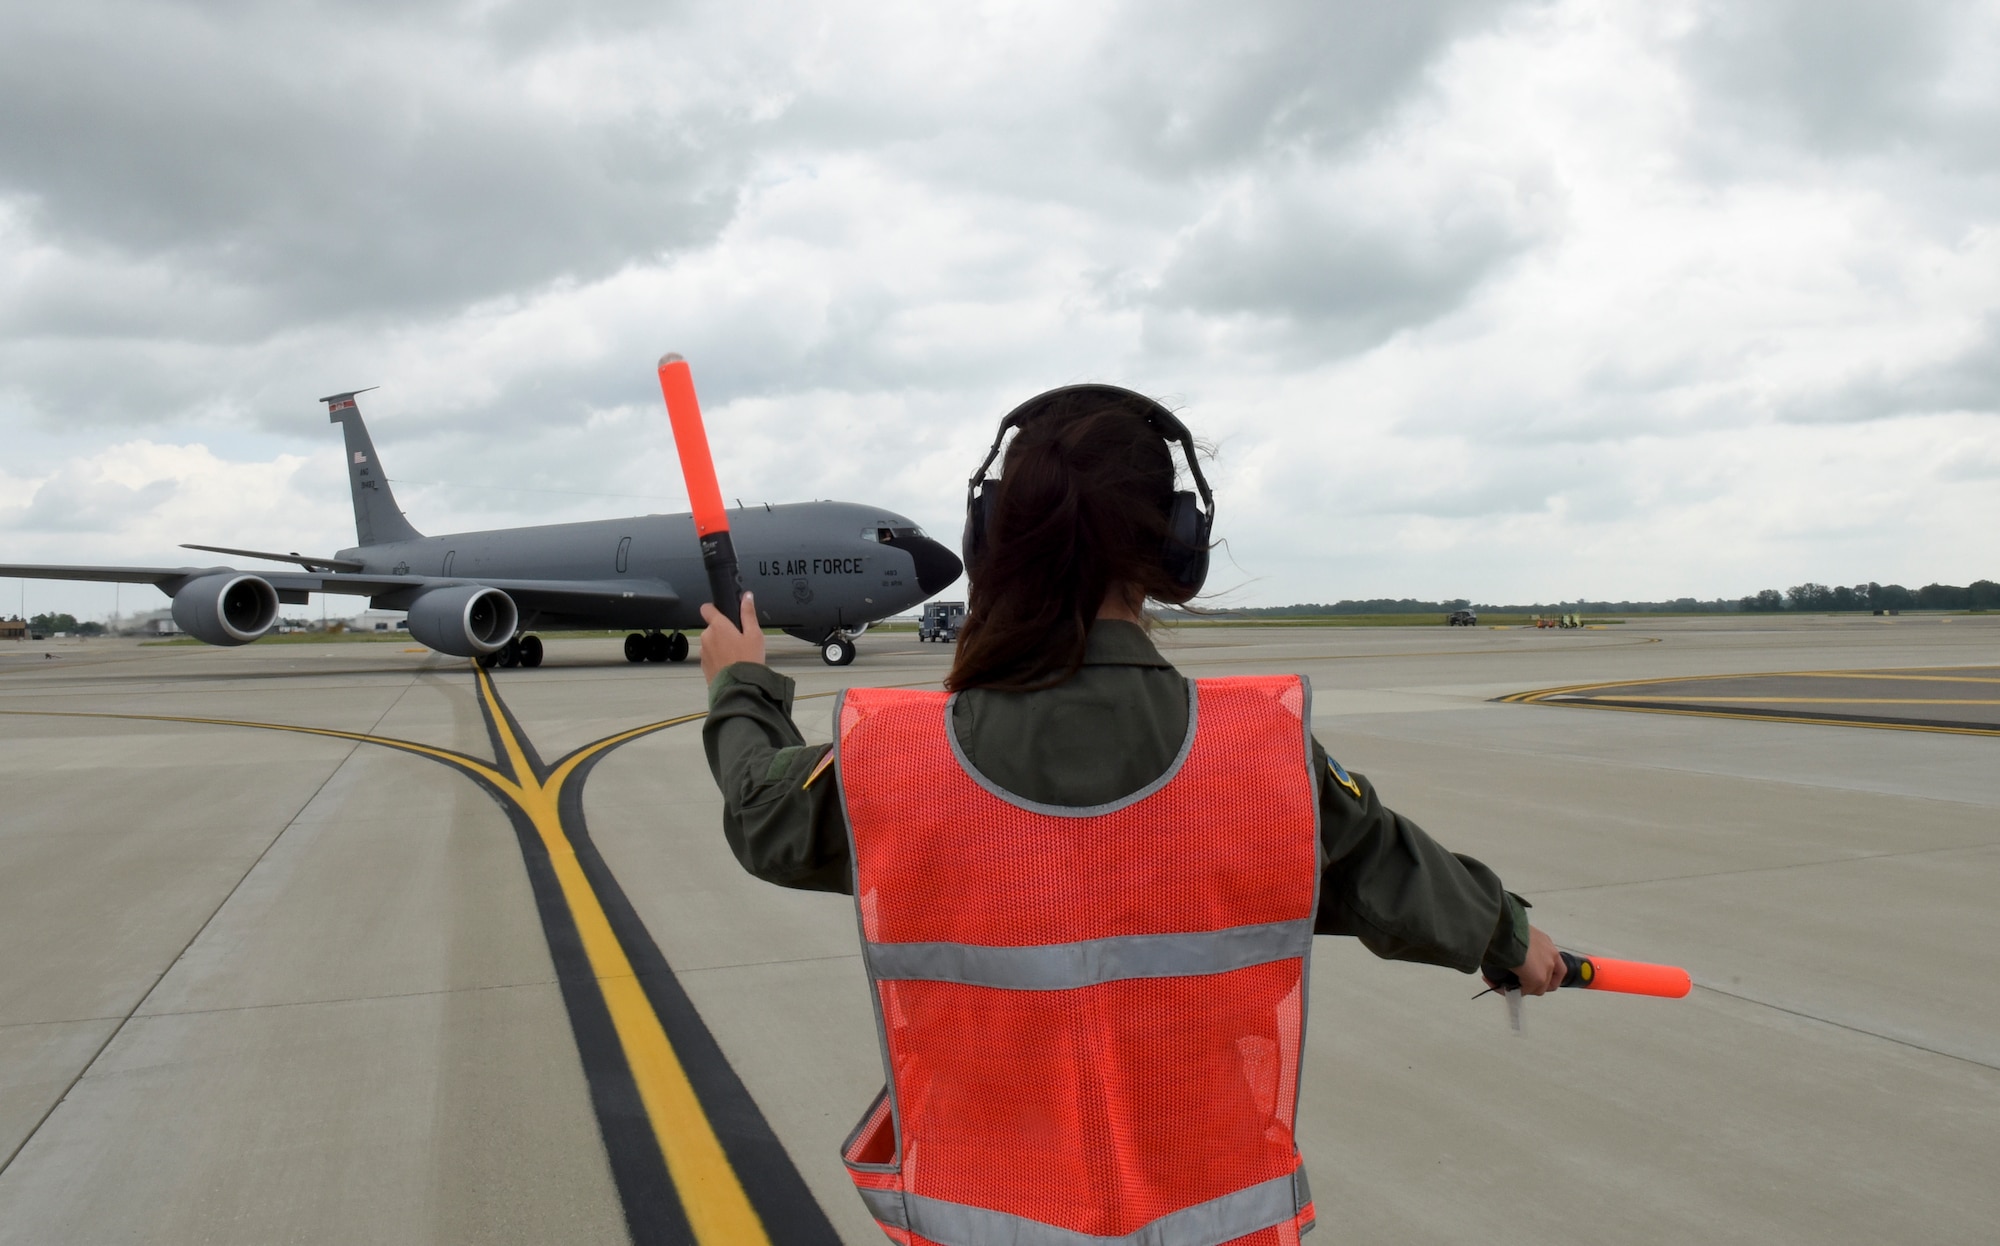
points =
(1091, 1019)
(1219, 1220)
(1061, 966)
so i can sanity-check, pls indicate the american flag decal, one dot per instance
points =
(341, 404)
(358, 456)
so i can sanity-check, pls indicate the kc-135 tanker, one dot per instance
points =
(821, 571)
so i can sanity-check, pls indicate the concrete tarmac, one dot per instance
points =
(341, 984)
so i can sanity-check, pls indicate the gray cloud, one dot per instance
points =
(72, 503)
(1190, 88)
(305, 163)
(1969, 380)
(1845, 76)
(1346, 273)
(221, 194)
(1884, 79)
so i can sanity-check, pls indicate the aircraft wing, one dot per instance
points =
(169, 579)
(108, 575)
(553, 596)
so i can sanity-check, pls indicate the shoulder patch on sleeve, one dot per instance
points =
(1341, 776)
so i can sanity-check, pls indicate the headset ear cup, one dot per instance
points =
(978, 514)
(1185, 558)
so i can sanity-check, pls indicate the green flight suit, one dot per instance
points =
(1104, 733)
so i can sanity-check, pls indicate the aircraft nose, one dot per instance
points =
(937, 566)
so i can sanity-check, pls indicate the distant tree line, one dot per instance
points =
(1410, 605)
(50, 624)
(1979, 595)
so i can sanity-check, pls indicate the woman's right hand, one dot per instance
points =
(724, 643)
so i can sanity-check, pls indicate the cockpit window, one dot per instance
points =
(873, 534)
(888, 536)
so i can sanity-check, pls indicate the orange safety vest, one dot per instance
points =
(1091, 1018)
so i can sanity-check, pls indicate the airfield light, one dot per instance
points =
(711, 521)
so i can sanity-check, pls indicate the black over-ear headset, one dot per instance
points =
(1185, 557)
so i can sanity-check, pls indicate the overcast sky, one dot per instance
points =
(1504, 301)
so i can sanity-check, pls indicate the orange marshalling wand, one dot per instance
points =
(711, 521)
(1628, 977)
(1601, 973)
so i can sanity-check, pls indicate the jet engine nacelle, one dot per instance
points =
(464, 620)
(226, 608)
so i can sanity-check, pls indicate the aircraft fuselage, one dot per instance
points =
(814, 567)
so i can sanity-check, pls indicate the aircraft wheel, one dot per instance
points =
(657, 647)
(489, 660)
(531, 651)
(635, 648)
(836, 651)
(677, 648)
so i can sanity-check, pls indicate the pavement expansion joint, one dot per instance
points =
(658, 1079)
(335, 1000)
(160, 977)
(1769, 869)
(1843, 1025)
(759, 964)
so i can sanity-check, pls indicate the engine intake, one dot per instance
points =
(464, 620)
(226, 608)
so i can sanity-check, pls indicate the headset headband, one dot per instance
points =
(1158, 418)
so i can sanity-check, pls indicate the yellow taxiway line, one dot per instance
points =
(1714, 704)
(1736, 700)
(718, 1209)
(1540, 694)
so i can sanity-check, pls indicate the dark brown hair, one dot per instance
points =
(1083, 499)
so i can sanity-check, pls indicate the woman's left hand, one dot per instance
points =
(724, 643)
(1543, 971)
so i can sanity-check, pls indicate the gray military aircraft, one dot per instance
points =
(821, 571)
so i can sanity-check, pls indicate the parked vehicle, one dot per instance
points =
(1461, 618)
(941, 621)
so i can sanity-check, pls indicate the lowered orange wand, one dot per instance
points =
(1601, 973)
(711, 521)
(1629, 977)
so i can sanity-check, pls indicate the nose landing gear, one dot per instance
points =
(837, 650)
(656, 647)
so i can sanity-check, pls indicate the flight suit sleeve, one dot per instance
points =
(780, 808)
(1387, 883)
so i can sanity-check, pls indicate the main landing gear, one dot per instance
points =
(656, 647)
(837, 650)
(520, 651)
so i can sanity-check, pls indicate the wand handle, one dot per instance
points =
(711, 521)
(1600, 973)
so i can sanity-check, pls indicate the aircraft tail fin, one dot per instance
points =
(377, 518)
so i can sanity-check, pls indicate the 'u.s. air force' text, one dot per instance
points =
(810, 566)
